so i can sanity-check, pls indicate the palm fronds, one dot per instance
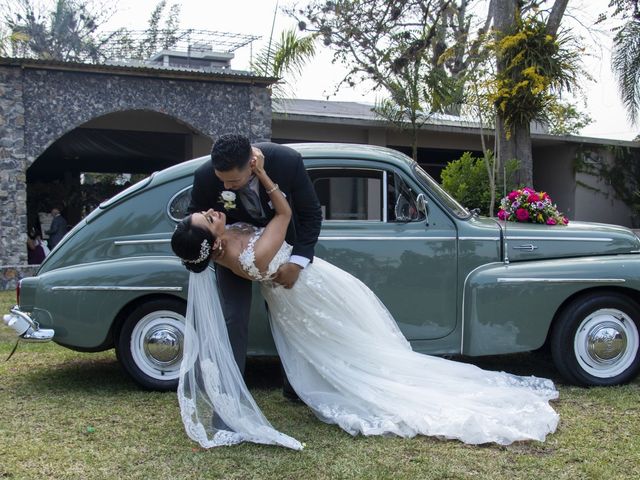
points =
(626, 66)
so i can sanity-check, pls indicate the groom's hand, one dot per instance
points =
(287, 274)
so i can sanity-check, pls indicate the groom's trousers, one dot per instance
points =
(235, 295)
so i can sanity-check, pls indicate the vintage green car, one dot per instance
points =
(456, 283)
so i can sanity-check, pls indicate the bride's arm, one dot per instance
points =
(274, 234)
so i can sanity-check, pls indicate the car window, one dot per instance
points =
(348, 193)
(177, 208)
(401, 201)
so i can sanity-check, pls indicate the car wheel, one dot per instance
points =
(149, 345)
(595, 340)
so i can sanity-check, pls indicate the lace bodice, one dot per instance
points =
(247, 257)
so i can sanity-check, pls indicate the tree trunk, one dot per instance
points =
(504, 17)
(522, 139)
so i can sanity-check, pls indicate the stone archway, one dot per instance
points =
(41, 101)
(101, 157)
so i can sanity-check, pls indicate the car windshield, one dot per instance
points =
(447, 200)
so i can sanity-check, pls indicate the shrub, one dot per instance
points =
(467, 180)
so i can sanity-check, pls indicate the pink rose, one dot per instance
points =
(551, 221)
(533, 197)
(528, 190)
(565, 220)
(513, 195)
(502, 214)
(522, 214)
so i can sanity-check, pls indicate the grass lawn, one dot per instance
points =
(77, 415)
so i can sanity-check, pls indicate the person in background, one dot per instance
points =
(58, 228)
(36, 248)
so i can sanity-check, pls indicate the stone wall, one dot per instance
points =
(57, 102)
(38, 105)
(13, 189)
(10, 275)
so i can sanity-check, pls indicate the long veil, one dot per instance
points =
(215, 404)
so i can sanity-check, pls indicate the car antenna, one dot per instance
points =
(504, 194)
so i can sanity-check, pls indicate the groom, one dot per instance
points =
(226, 184)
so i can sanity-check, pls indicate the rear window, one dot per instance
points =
(127, 192)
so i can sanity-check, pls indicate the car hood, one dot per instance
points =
(532, 241)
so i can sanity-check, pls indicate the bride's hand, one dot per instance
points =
(257, 161)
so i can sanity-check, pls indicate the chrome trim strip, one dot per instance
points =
(492, 239)
(171, 201)
(117, 288)
(389, 239)
(562, 239)
(464, 290)
(559, 280)
(141, 242)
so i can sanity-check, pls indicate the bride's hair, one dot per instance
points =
(192, 244)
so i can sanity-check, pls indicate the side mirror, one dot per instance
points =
(421, 203)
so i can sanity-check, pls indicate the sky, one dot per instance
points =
(319, 79)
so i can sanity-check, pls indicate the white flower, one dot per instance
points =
(228, 196)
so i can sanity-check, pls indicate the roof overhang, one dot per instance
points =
(149, 71)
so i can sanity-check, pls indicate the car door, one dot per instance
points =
(373, 230)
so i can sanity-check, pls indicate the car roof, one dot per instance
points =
(308, 151)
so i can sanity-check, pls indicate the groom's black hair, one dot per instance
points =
(231, 151)
(187, 243)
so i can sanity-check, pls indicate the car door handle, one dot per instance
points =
(529, 247)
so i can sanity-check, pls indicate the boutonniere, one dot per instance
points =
(228, 200)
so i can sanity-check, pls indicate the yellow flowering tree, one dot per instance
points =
(534, 63)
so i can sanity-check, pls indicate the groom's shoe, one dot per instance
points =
(291, 395)
(287, 390)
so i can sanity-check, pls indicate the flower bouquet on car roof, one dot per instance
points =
(527, 205)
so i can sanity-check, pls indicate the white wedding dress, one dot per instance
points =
(348, 361)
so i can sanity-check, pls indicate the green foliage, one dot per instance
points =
(285, 59)
(466, 179)
(625, 62)
(565, 119)
(537, 66)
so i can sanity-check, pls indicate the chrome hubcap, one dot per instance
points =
(163, 345)
(156, 344)
(606, 343)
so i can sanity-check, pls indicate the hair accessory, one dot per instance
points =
(275, 187)
(205, 250)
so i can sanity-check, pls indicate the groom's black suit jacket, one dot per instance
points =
(284, 166)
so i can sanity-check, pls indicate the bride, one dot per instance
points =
(341, 350)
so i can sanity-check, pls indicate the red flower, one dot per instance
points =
(533, 197)
(513, 195)
(522, 214)
(502, 214)
(551, 221)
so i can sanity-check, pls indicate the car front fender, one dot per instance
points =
(509, 308)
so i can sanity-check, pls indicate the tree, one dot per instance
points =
(423, 53)
(532, 63)
(400, 46)
(68, 31)
(625, 60)
(285, 59)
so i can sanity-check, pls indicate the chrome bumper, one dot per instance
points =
(27, 328)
